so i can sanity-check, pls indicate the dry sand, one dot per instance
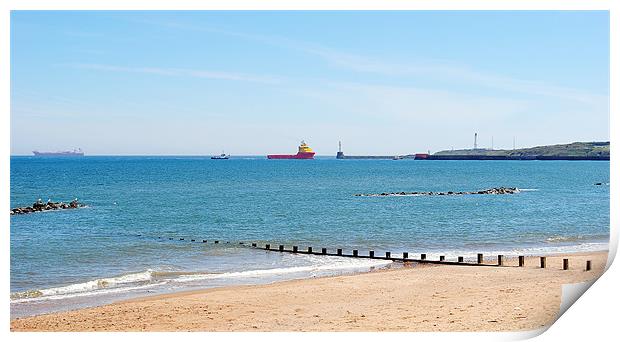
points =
(420, 298)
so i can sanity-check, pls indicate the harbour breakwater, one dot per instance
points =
(40, 206)
(341, 155)
(492, 191)
(422, 156)
(510, 157)
(572, 151)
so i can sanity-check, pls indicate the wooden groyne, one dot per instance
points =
(355, 253)
(478, 260)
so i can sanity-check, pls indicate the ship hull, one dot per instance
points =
(58, 154)
(299, 155)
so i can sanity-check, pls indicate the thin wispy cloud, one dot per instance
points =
(412, 105)
(447, 72)
(433, 70)
(180, 72)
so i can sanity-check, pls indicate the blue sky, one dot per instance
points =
(259, 82)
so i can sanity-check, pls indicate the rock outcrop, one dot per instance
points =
(41, 206)
(492, 191)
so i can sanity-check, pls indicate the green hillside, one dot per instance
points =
(576, 149)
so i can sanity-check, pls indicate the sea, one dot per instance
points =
(134, 236)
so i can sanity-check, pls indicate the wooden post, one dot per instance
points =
(309, 249)
(388, 255)
(267, 246)
(565, 264)
(521, 261)
(442, 258)
(588, 265)
(460, 259)
(371, 254)
(294, 249)
(500, 260)
(281, 248)
(339, 251)
(253, 244)
(423, 256)
(405, 255)
(543, 262)
(324, 251)
(480, 258)
(355, 252)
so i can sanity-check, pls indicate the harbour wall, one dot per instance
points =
(484, 157)
(341, 155)
(476, 157)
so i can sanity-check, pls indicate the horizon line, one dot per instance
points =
(321, 155)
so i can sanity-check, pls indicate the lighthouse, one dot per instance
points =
(339, 155)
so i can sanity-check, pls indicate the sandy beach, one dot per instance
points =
(419, 298)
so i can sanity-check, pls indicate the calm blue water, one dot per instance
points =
(76, 258)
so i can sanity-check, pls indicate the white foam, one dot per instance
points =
(561, 238)
(85, 293)
(322, 264)
(85, 287)
(150, 278)
(470, 254)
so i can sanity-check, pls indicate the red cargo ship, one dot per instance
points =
(304, 152)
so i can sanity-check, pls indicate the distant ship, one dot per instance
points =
(304, 152)
(75, 153)
(221, 156)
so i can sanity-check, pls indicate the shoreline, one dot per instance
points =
(497, 298)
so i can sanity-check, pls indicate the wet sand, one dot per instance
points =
(418, 298)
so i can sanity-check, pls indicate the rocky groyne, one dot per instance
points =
(46, 206)
(492, 191)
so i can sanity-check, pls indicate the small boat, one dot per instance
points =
(397, 158)
(221, 156)
(75, 153)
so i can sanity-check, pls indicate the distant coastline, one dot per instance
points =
(572, 151)
(509, 157)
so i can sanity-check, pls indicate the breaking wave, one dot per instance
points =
(102, 285)
(150, 278)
